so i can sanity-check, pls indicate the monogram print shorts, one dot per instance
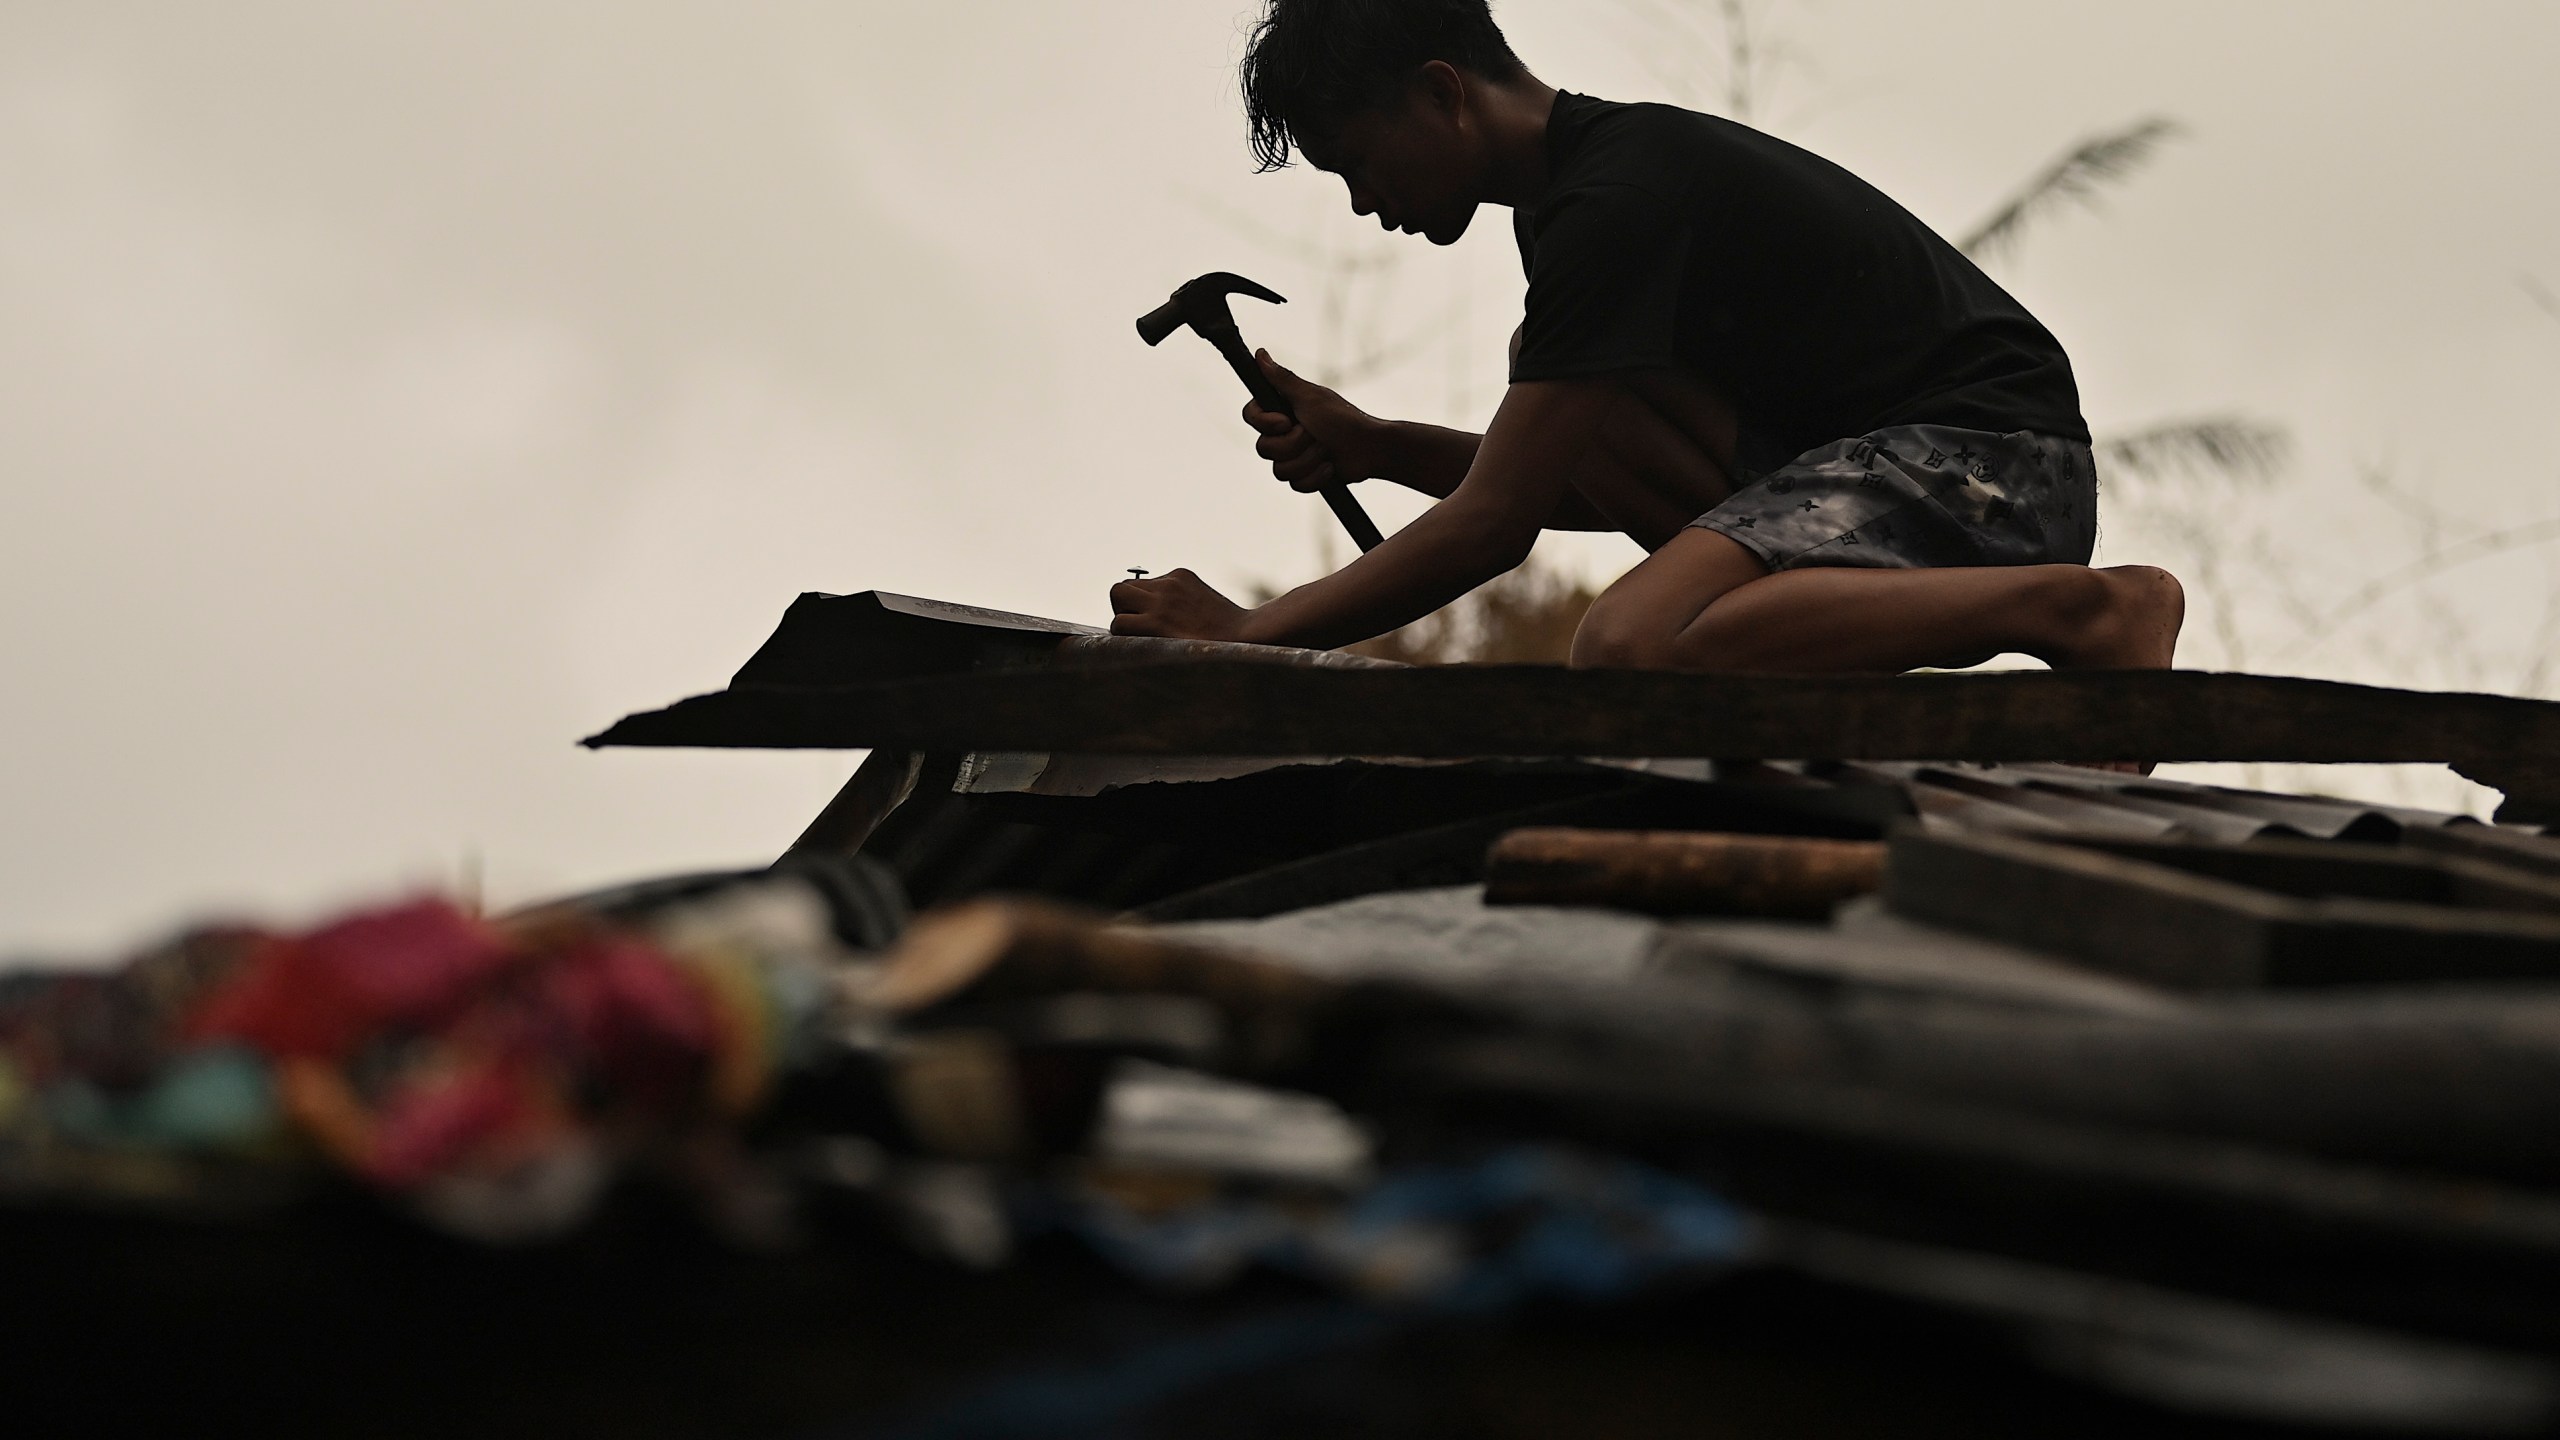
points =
(1913, 496)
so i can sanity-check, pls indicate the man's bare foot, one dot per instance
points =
(2132, 626)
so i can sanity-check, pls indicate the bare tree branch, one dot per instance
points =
(1750, 55)
(1741, 77)
(2078, 177)
(2426, 567)
(2432, 520)
(2546, 640)
(2234, 447)
(2279, 573)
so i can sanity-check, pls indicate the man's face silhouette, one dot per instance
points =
(1414, 160)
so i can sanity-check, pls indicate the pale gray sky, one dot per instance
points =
(390, 395)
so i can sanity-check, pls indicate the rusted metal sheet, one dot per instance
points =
(827, 640)
(876, 635)
(884, 781)
(846, 639)
(1322, 831)
(1135, 846)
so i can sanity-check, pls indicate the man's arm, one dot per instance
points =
(1428, 458)
(1517, 478)
(1332, 441)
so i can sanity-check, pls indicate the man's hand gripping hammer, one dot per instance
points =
(1202, 305)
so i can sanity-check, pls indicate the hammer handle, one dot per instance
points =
(1230, 343)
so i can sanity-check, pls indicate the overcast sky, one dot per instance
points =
(390, 395)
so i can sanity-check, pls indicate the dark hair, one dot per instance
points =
(1311, 63)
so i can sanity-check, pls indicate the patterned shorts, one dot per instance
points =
(1913, 496)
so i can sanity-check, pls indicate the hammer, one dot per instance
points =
(1202, 305)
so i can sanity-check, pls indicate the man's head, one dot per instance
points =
(1388, 94)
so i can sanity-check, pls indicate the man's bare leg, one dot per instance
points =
(1702, 602)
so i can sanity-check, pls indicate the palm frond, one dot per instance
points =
(2078, 177)
(2233, 447)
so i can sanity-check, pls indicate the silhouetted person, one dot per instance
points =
(1844, 446)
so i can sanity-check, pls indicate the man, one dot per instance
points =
(1843, 446)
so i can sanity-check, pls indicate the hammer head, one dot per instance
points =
(1202, 305)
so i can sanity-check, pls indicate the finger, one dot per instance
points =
(1274, 368)
(1269, 422)
(1315, 479)
(1129, 595)
(1299, 467)
(1286, 446)
(1135, 625)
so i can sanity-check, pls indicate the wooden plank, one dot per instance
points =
(2312, 870)
(2149, 921)
(2510, 849)
(1681, 872)
(2530, 779)
(2144, 922)
(1222, 707)
(2455, 1256)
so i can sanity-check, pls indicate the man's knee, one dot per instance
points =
(1632, 642)
(1620, 636)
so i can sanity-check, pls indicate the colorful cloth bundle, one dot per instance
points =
(493, 1074)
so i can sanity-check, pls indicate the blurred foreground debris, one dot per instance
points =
(493, 1076)
(1265, 1094)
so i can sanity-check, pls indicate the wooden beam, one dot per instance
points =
(2186, 928)
(1233, 708)
(1681, 872)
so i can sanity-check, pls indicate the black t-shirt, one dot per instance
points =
(1821, 307)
